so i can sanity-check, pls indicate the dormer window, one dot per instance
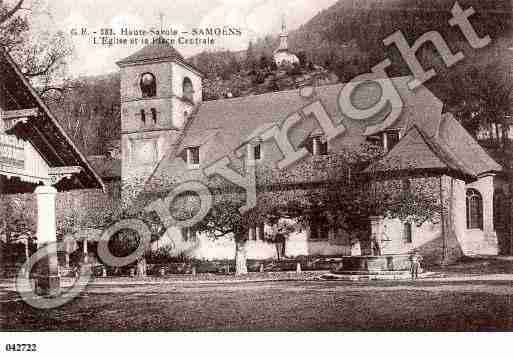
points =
(257, 152)
(392, 138)
(386, 140)
(318, 145)
(148, 85)
(154, 115)
(188, 89)
(193, 157)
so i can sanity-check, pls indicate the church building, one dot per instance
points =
(282, 56)
(169, 136)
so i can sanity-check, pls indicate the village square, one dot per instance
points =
(295, 185)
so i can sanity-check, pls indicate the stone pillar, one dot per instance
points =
(47, 279)
(27, 255)
(84, 243)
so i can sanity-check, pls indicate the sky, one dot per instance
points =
(256, 18)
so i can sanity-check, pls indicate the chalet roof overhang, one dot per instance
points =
(37, 125)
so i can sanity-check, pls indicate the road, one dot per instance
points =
(284, 305)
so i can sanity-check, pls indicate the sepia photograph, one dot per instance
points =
(255, 166)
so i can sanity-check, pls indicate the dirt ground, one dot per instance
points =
(453, 305)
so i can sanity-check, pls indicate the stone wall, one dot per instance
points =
(448, 242)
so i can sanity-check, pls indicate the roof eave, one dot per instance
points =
(123, 63)
(47, 112)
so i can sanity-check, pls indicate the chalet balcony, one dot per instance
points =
(12, 151)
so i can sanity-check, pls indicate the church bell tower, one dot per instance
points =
(159, 92)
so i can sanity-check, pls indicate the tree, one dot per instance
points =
(40, 53)
(223, 219)
(286, 202)
(250, 62)
(89, 111)
(265, 63)
(17, 220)
(303, 59)
(481, 100)
(344, 198)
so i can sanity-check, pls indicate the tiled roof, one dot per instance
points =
(161, 50)
(239, 118)
(449, 147)
(223, 126)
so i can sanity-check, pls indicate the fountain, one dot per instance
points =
(372, 264)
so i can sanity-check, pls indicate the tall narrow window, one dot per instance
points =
(474, 210)
(154, 115)
(148, 85)
(408, 232)
(188, 90)
(143, 116)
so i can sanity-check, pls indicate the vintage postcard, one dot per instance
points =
(255, 165)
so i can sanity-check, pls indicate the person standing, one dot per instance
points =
(415, 260)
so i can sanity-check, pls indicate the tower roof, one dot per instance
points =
(156, 51)
(161, 49)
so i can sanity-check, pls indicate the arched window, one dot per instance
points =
(188, 89)
(474, 209)
(148, 85)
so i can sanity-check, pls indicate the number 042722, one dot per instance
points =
(20, 347)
